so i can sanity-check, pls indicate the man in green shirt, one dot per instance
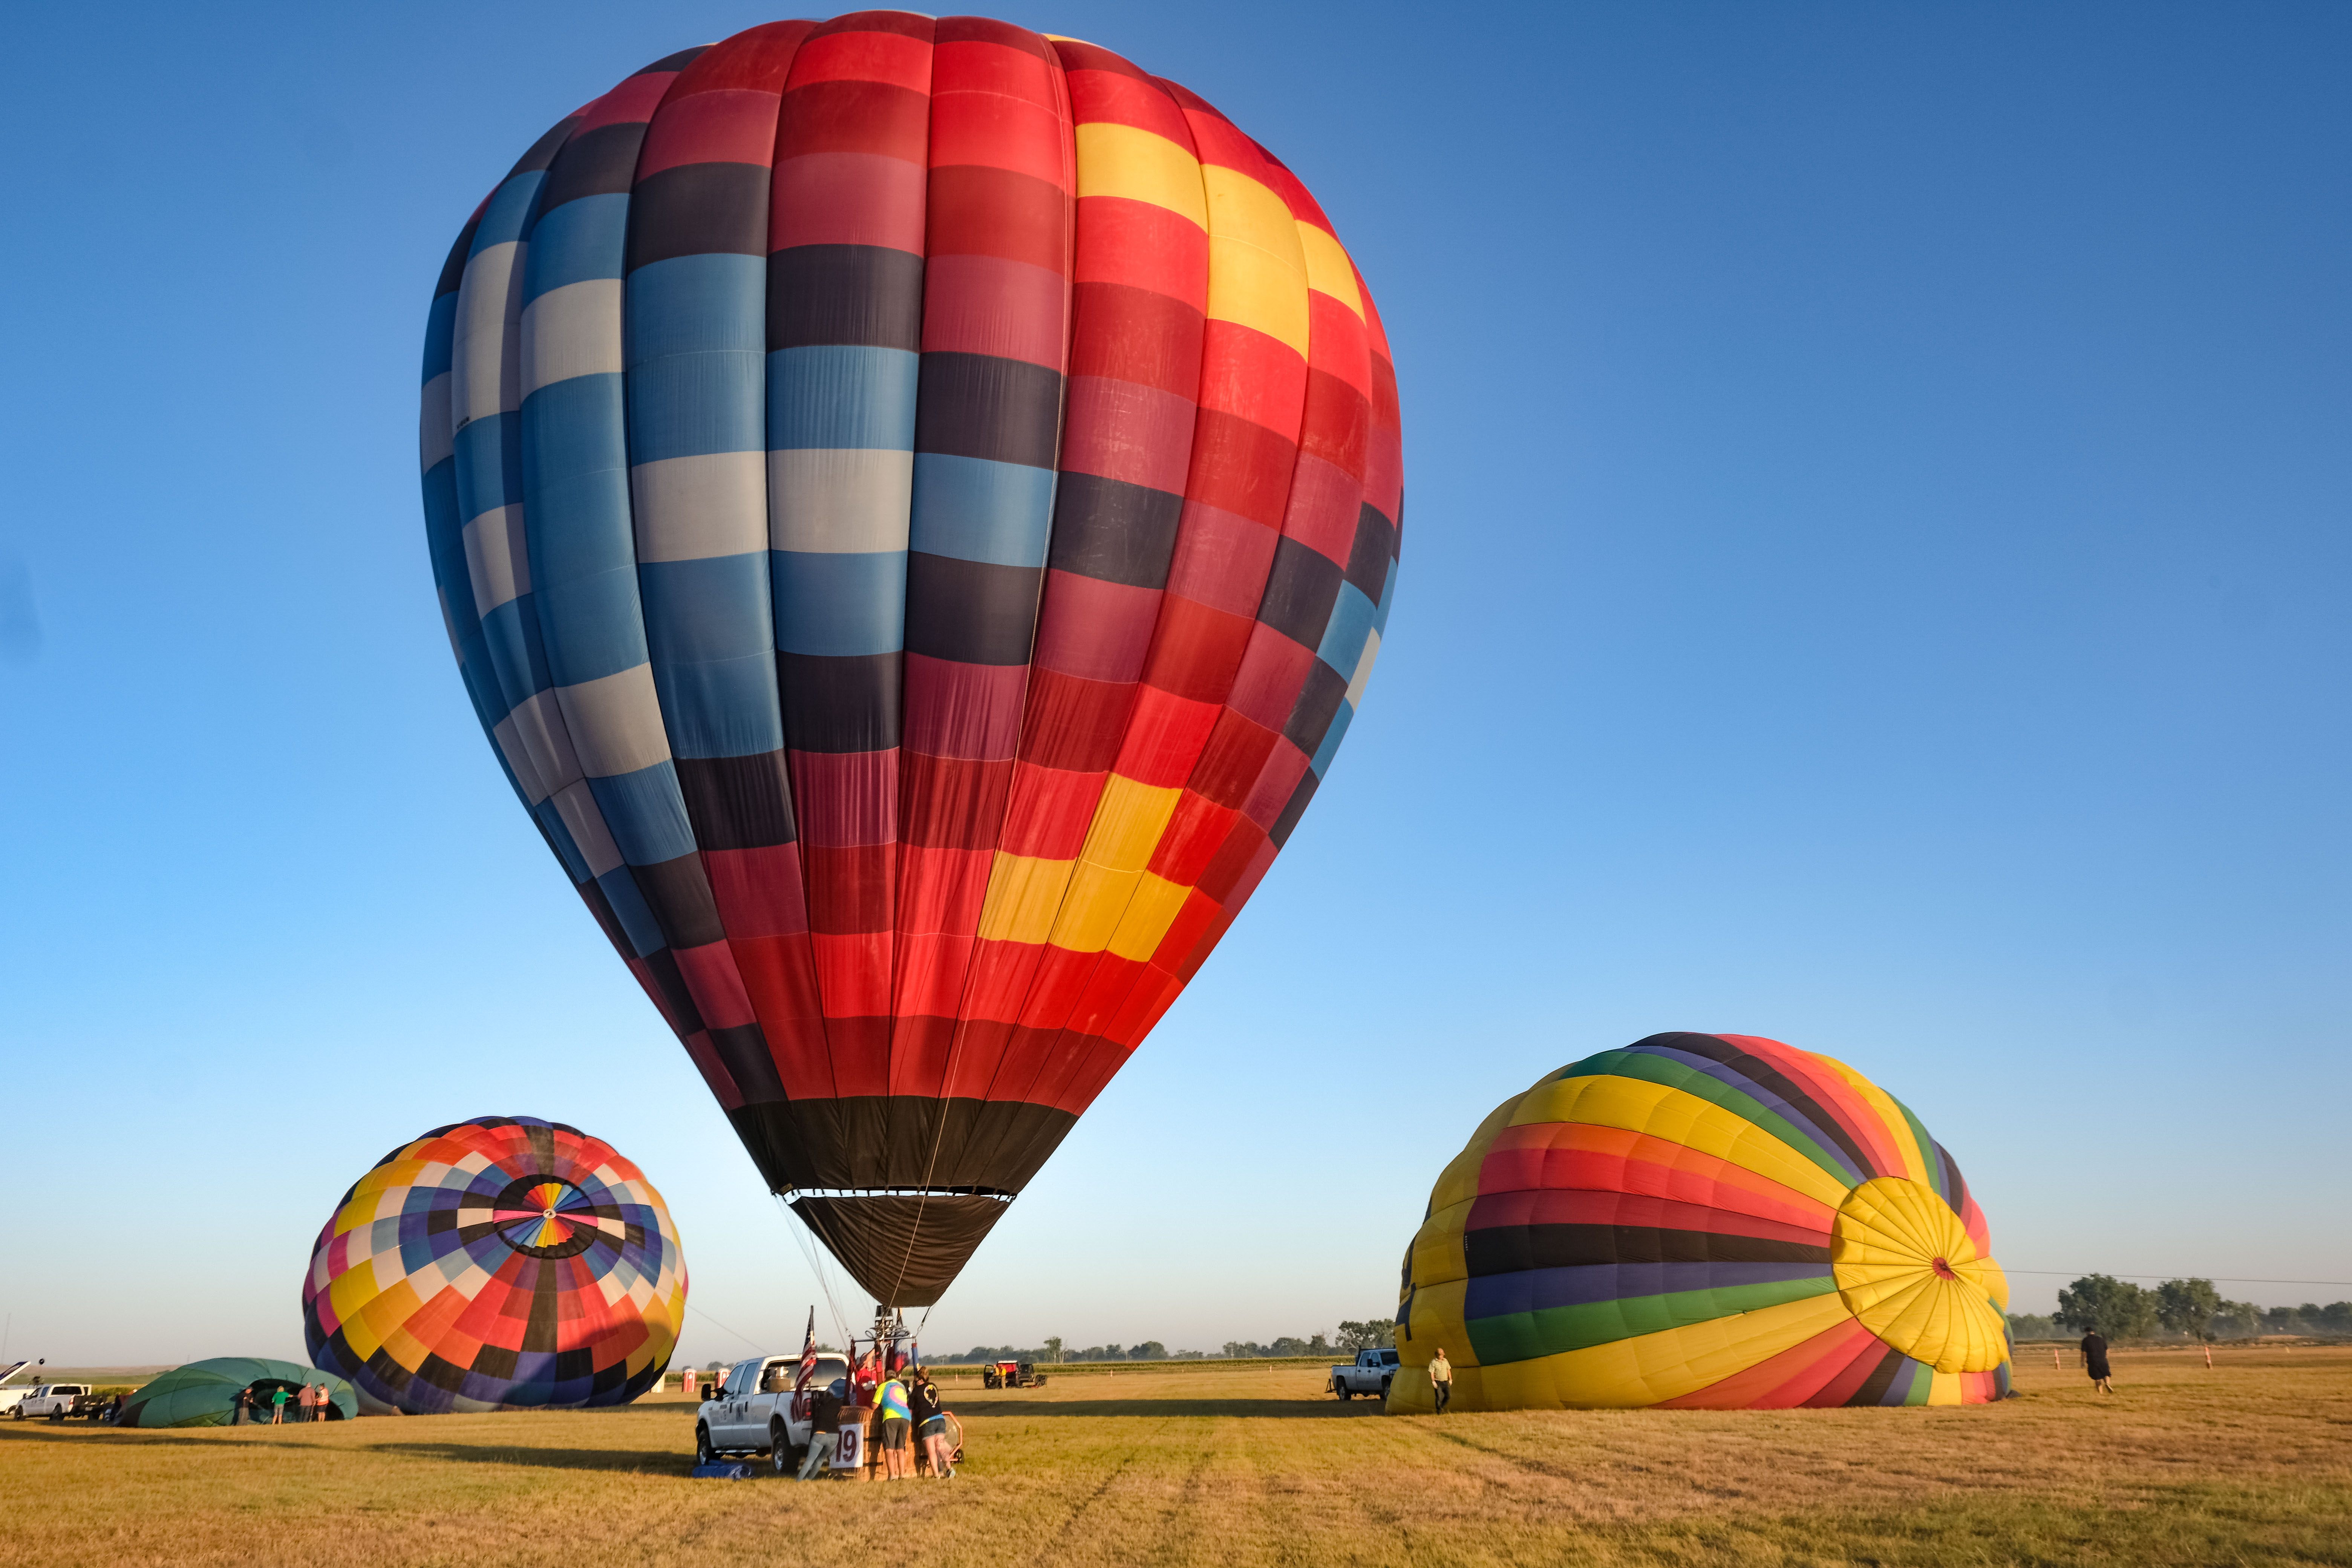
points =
(277, 1406)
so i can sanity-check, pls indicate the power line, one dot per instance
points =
(721, 1326)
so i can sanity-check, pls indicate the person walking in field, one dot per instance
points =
(824, 1431)
(2095, 1361)
(1441, 1379)
(896, 1420)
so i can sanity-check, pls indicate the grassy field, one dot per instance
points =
(2251, 1462)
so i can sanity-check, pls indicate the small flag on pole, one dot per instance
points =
(808, 1354)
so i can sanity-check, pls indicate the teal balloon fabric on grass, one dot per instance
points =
(204, 1393)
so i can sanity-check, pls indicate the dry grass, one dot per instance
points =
(2251, 1462)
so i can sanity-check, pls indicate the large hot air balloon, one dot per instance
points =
(1703, 1221)
(916, 504)
(503, 1263)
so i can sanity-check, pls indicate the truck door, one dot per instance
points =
(727, 1415)
(771, 1396)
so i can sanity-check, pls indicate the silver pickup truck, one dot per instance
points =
(1368, 1374)
(756, 1411)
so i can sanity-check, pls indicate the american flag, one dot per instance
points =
(808, 1355)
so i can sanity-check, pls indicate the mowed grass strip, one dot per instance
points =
(2250, 1462)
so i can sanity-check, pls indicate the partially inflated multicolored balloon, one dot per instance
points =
(498, 1264)
(1704, 1221)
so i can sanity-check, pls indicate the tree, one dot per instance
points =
(2103, 1305)
(2187, 1306)
(2031, 1326)
(2237, 1320)
(1054, 1350)
(1370, 1335)
(1150, 1349)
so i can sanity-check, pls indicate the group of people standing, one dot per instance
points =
(909, 1417)
(311, 1402)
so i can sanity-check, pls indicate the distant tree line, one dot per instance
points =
(1054, 1352)
(1351, 1337)
(2187, 1308)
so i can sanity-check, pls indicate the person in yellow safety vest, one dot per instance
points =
(1441, 1379)
(896, 1421)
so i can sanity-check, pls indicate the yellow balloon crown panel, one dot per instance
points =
(1704, 1221)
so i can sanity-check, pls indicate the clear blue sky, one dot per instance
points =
(1875, 575)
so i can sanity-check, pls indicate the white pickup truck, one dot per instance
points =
(50, 1399)
(1368, 1374)
(756, 1411)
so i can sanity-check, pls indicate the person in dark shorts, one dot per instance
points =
(895, 1416)
(930, 1422)
(824, 1431)
(2095, 1361)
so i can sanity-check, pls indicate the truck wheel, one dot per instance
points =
(779, 1451)
(1343, 1391)
(1384, 1388)
(704, 1454)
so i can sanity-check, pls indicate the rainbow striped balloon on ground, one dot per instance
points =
(498, 1264)
(1709, 1222)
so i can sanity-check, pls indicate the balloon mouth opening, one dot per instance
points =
(1944, 1271)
